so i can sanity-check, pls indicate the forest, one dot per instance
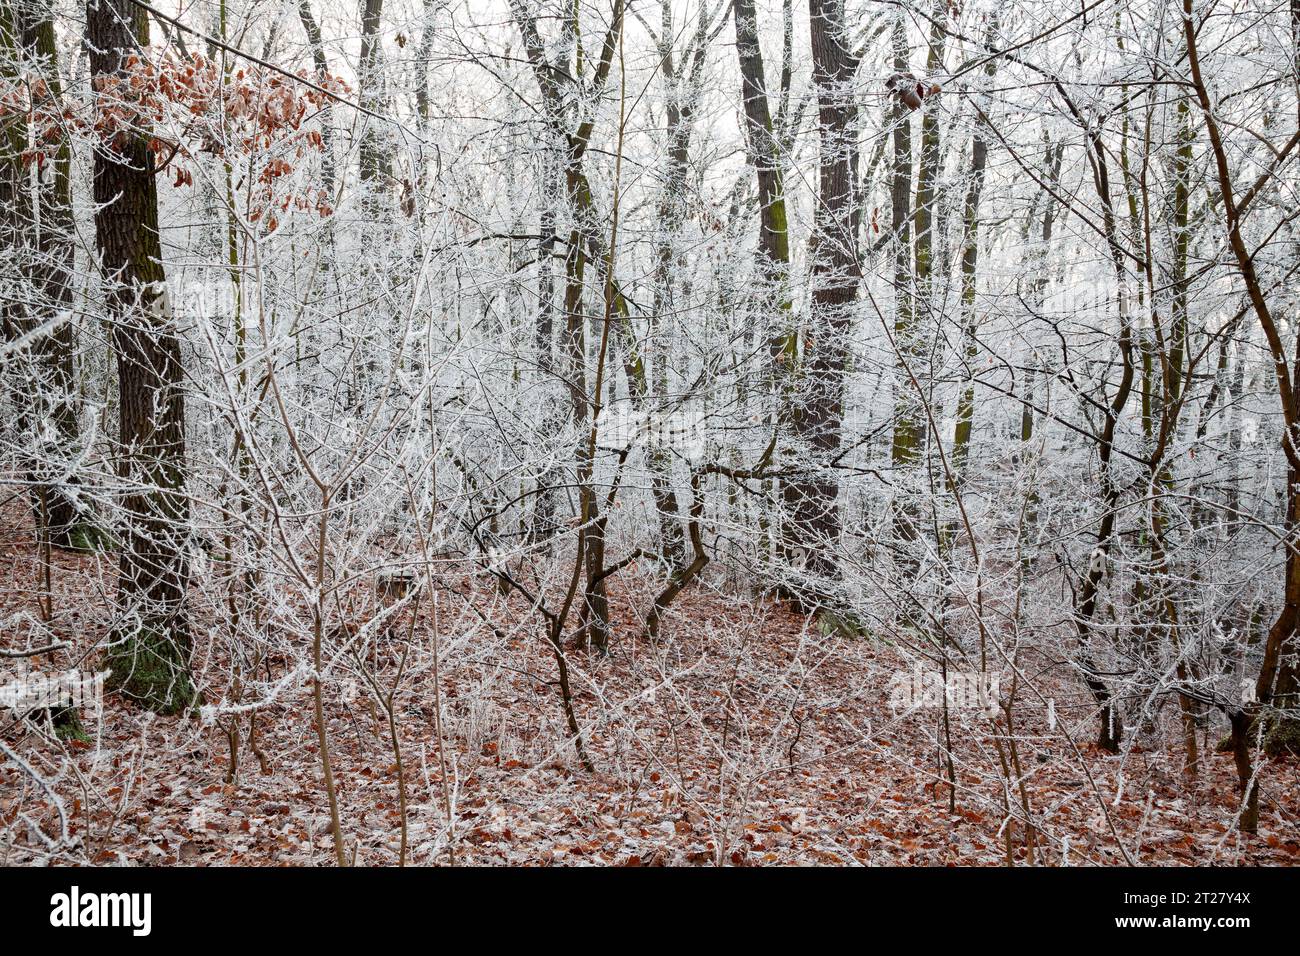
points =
(649, 432)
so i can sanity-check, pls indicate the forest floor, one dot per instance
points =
(743, 737)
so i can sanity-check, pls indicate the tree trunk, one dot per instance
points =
(969, 261)
(773, 299)
(321, 66)
(979, 152)
(905, 451)
(773, 238)
(38, 230)
(375, 166)
(811, 497)
(150, 646)
(928, 172)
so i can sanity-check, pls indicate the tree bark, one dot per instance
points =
(905, 450)
(151, 642)
(979, 151)
(375, 167)
(812, 497)
(36, 198)
(773, 238)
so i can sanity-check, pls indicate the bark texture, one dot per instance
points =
(151, 642)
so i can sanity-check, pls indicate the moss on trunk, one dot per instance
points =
(151, 669)
(67, 724)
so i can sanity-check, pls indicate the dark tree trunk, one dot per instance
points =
(37, 229)
(905, 450)
(811, 498)
(151, 642)
(544, 524)
(321, 66)
(774, 308)
(929, 171)
(372, 156)
(773, 239)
